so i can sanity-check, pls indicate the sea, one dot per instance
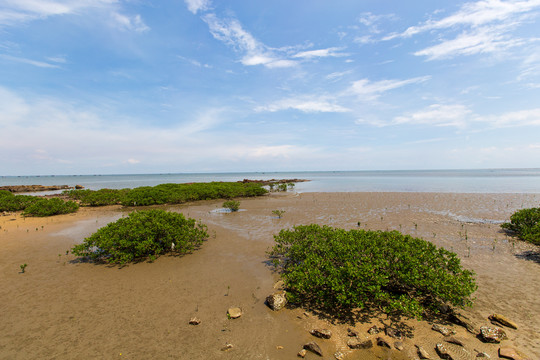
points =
(447, 181)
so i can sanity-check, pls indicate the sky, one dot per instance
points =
(173, 86)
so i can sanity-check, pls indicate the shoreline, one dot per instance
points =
(64, 308)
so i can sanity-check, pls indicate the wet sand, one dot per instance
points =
(62, 308)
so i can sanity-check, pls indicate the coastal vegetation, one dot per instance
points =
(525, 224)
(167, 193)
(35, 205)
(49, 207)
(143, 234)
(339, 271)
(232, 205)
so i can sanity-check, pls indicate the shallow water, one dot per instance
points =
(453, 181)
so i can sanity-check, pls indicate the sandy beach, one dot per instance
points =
(63, 308)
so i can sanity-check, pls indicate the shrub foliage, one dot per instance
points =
(340, 271)
(11, 202)
(143, 234)
(232, 205)
(167, 194)
(525, 224)
(50, 207)
(35, 205)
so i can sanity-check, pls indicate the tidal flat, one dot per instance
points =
(62, 307)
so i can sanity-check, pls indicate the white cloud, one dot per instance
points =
(437, 115)
(370, 90)
(486, 27)
(530, 69)
(475, 14)
(13, 12)
(198, 5)
(338, 75)
(305, 105)
(194, 62)
(530, 117)
(329, 52)
(485, 40)
(365, 39)
(231, 32)
(133, 23)
(37, 63)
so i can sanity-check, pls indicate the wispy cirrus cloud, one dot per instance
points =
(231, 32)
(528, 117)
(13, 12)
(41, 64)
(484, 26)
(304, 104)
(437, 115)
(320, 53)
(371, 90)
(198, 5)
(459, 116)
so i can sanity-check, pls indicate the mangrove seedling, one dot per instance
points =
(232, 205)
(23, 268)
(278, 213)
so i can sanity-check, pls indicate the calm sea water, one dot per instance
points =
(456, 181)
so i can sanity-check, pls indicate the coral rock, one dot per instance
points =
(314, 348)
(502, 320)
(277, 300)
(356, 343)
(321, 333)
(492, 334)
(234, 313)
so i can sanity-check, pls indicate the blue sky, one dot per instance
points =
(140, 86)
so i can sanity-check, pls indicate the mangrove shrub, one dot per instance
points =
(143, 234)
(525, 224)
(50, 207)
(340, 271)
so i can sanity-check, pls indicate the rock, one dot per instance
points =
(79, 187)
(383, 343)
(352, 332)
(398, 345)
(279, 347)
(33, 188)
(393, 333)
(302, 353)
(481, 354)
(445, 309)
(510, 353)
(442, 329)
(234, 313)
(227, 347)
(194, 321)
(374, 330)
(492, 334)
(443, 352)
(313, 347)
(321, 333)
(423, 354)
(356, 343)
(462, 321)
(502, 320)
(338, 355)
(455, 340)
(277, 300)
